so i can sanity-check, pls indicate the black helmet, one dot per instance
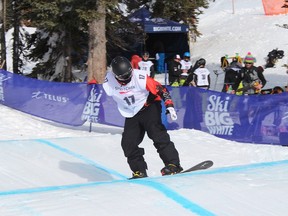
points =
(146, 53)
(201, 61)
(122, 68)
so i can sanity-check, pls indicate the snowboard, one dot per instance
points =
(200, 166)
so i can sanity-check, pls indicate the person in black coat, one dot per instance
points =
(231, 75)
(252, 77)
(174, 69)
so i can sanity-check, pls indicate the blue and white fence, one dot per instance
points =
(254, 118)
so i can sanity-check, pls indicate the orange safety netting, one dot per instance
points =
(275, 7)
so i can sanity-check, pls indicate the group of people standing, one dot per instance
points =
(247, 79)
(239, 79)
(183, 73)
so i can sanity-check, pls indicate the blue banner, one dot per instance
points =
(59, 102)
(156, 25)
(252, 119)
(102, 109)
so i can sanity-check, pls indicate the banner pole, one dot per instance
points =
(90, 127)
(92, 107)
(166, 75)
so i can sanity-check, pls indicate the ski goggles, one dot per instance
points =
(124, 77)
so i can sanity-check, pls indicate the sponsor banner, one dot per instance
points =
(101, 108)
(160, 25)
(251, 119)
(165, 29)
(110, 114)
(59, 102)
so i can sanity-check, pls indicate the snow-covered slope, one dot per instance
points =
(247, 30)
(47, 169)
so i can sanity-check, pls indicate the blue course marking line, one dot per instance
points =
(146, 182)
(184, 202)
(149, 182)
(239, 168)
(81, 157)
(169, 193)
(54, 188)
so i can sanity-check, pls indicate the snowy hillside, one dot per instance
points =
(47, 169)
(247, 30)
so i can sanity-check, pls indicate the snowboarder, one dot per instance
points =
(138, 98)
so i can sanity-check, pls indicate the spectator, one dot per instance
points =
(135, 59)
(231, 74)
(160, 58)
(147, 65)
(186, 67)
(252, 77)
(201, 76)
(277, 90)
(175, 71)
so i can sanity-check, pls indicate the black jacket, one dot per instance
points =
(248, 78)
(175, 71)
(231, 75)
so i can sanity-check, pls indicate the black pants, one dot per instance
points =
(147, 120)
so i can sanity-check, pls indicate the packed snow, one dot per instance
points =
(49, 169)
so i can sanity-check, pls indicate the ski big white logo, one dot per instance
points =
(217, 118)
(92, 106)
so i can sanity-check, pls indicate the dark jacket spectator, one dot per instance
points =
(252, 77)
(175, 71)
(231, 74)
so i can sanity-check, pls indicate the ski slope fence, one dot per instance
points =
(251, 119)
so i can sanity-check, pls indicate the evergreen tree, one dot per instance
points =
(17, 45)
(184, 11)
(2, 33)
(59, 35)
(121, 37)
(10, 18)
(64, 29)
